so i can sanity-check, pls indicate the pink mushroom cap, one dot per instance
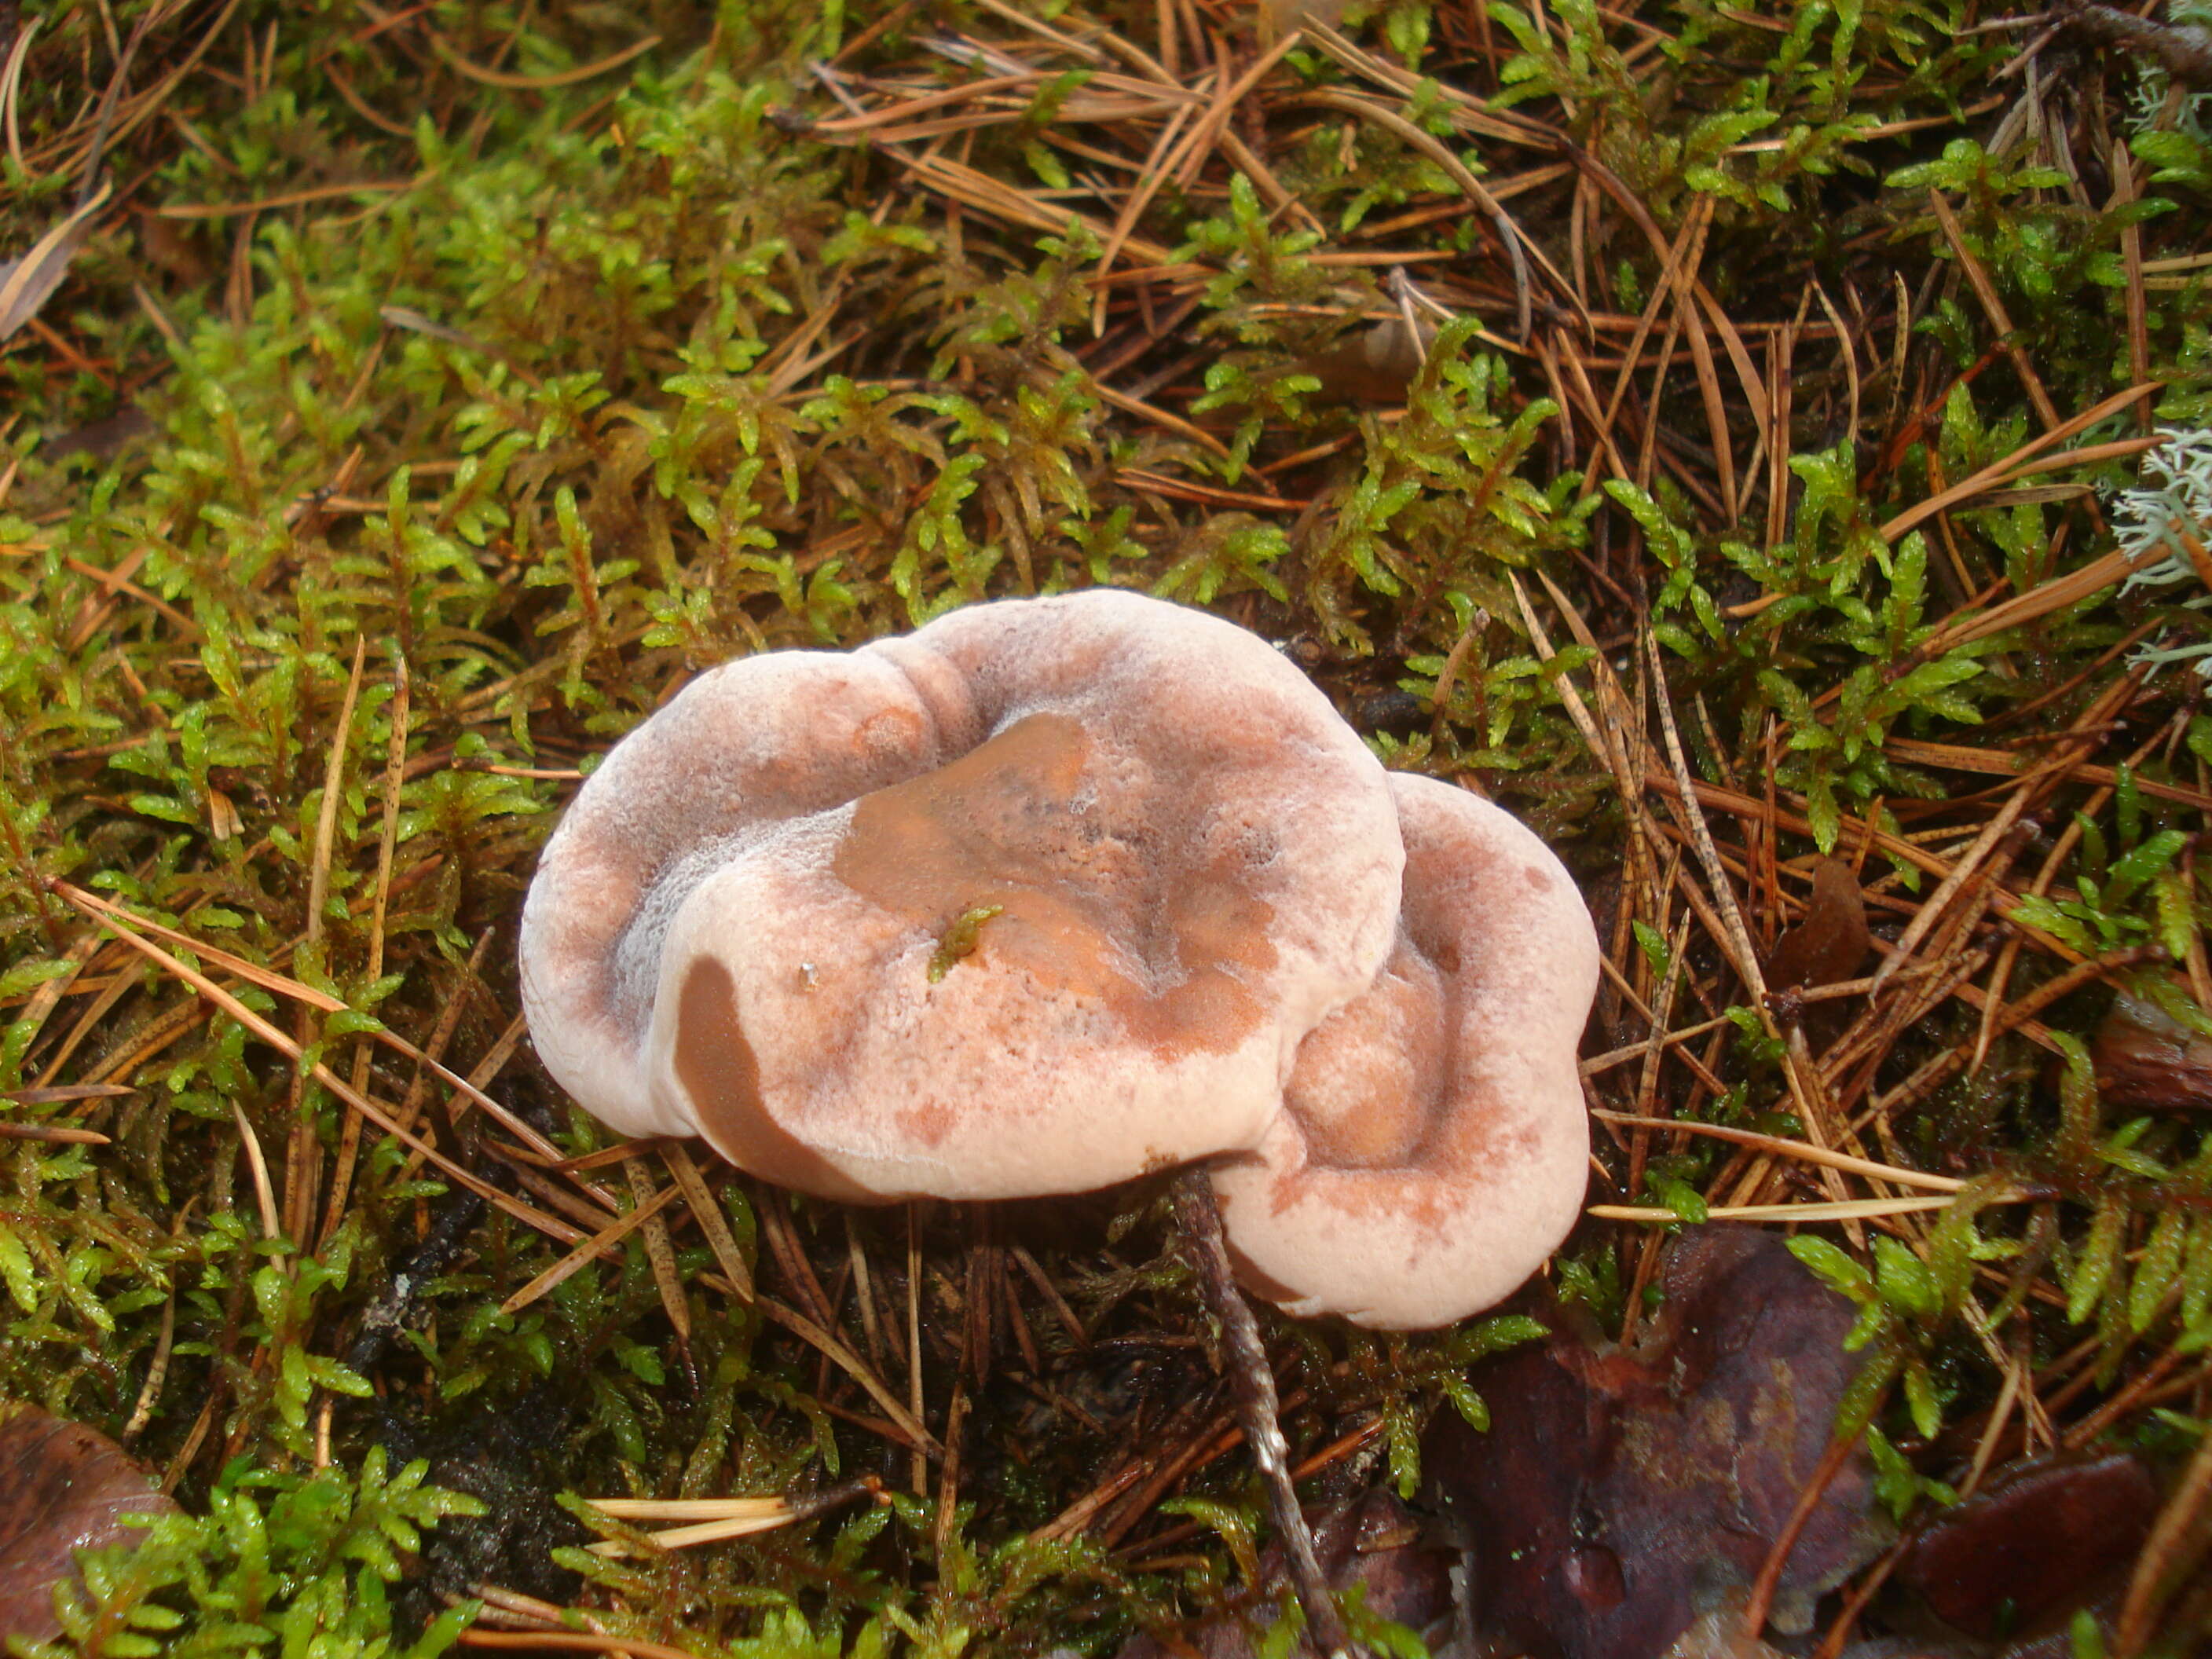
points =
(1034, 900)
(1053, 893)
(1432, 1148)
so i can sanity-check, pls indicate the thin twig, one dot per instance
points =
(1253, 1385)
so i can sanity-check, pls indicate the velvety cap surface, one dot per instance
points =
(1431, 1153)
(1032, 901)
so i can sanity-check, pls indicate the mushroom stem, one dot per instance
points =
(1253, 1382)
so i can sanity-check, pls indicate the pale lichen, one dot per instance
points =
(2174, 515)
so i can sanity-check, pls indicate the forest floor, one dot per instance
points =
(1769, 449)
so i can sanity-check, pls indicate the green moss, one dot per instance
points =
(960, 940)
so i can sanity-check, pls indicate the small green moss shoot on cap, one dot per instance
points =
(959, 941)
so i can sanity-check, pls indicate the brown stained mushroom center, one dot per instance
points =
(1370, 1078)
(1094, 897)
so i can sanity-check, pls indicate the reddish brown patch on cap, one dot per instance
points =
(715, 1063)
(1094, 897)
(1370, 1081)
(893, 730)
(928, 1120)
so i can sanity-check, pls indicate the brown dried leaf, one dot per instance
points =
(27, 283)
(1279, 17)
(2183, 51)
(1374, 1543)
(100, 438)
(1832, 942)
(1621, 1493)
(1719, 1635)
(170, 248)
(1374, 365)
(2034, 1544)
(2146, 1057)
(62, 1488)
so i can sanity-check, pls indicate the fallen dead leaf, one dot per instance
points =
(1832, 943)
(102, 439)
(1719, 1635)
(1621, 1493)
(1375, 1544)
(27, 283)
(2042, 1539)
(1374, 365)
(1279, 17)
(2146, 1057)
(62, 1488)
(171, 248)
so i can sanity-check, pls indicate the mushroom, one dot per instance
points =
(1036, 900)
(1053, 893)
(1430, 1153)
